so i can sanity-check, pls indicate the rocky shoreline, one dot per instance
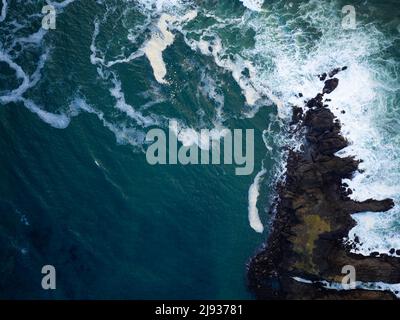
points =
(312, 215)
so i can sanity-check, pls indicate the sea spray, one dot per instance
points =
(254, 192)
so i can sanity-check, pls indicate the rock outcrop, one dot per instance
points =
(312, 217)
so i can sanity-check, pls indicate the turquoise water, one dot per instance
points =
(76, 191)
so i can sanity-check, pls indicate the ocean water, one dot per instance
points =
(76, 102)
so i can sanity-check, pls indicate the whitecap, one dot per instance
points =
(160, 40)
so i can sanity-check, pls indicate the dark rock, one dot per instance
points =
(315, 102)
(371, 205)
(312, 215)
(392, 251)
(320, 120)
(330, 85)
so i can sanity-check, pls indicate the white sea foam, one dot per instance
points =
(283, 61)
(17, 95)
(243, 70)
(27, 82)
(160, 40)
(34, 38)
(157, 44)
(100, 60)
(235, 67)
(171, 17)
(189, 136)
(94, 59)
(121, 104)
(254, 191)
(20, 74)
(375, 232)
(209, 88)
(366, 102)
(158, 5)
(58, 121)
(60, 5)
(123, 133)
